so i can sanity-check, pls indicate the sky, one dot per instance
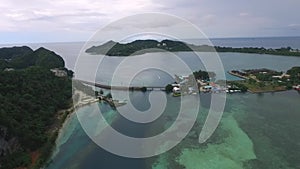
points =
(77, 20)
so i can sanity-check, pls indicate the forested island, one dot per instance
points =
(35, 87)
(136, 47)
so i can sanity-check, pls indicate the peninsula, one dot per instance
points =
(266, 80)
(137, 47)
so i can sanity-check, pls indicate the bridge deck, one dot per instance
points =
(122, 87)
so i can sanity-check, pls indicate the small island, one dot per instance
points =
(137, 47)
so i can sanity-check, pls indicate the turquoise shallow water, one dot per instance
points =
(275, 129)
(256, 131)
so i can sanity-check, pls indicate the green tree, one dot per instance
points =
(109, 96)
(169, 88)
(143, 89)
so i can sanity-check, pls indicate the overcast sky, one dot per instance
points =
(77, 20)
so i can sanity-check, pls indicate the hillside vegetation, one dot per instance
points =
(30, 97)
(23, 57)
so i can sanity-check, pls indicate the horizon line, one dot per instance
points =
(212, 38)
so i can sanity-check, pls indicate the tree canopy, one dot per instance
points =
(30, 97)
(23, 57)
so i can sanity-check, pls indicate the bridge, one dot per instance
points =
(132, 88)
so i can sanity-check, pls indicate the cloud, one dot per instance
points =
(244, 14)
(294, 25)
(84, 17)
(64, 14)
(208, 19)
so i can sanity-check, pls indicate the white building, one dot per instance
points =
(59, 72)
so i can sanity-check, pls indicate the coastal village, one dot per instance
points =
(266, 80)
(200, 81)
(184, 87)
(252, 80)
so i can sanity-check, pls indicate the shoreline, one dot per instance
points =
(65, 119)
(237, 75)
(62, 118)
(59, 131)
(267, 91)
(38, 159)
